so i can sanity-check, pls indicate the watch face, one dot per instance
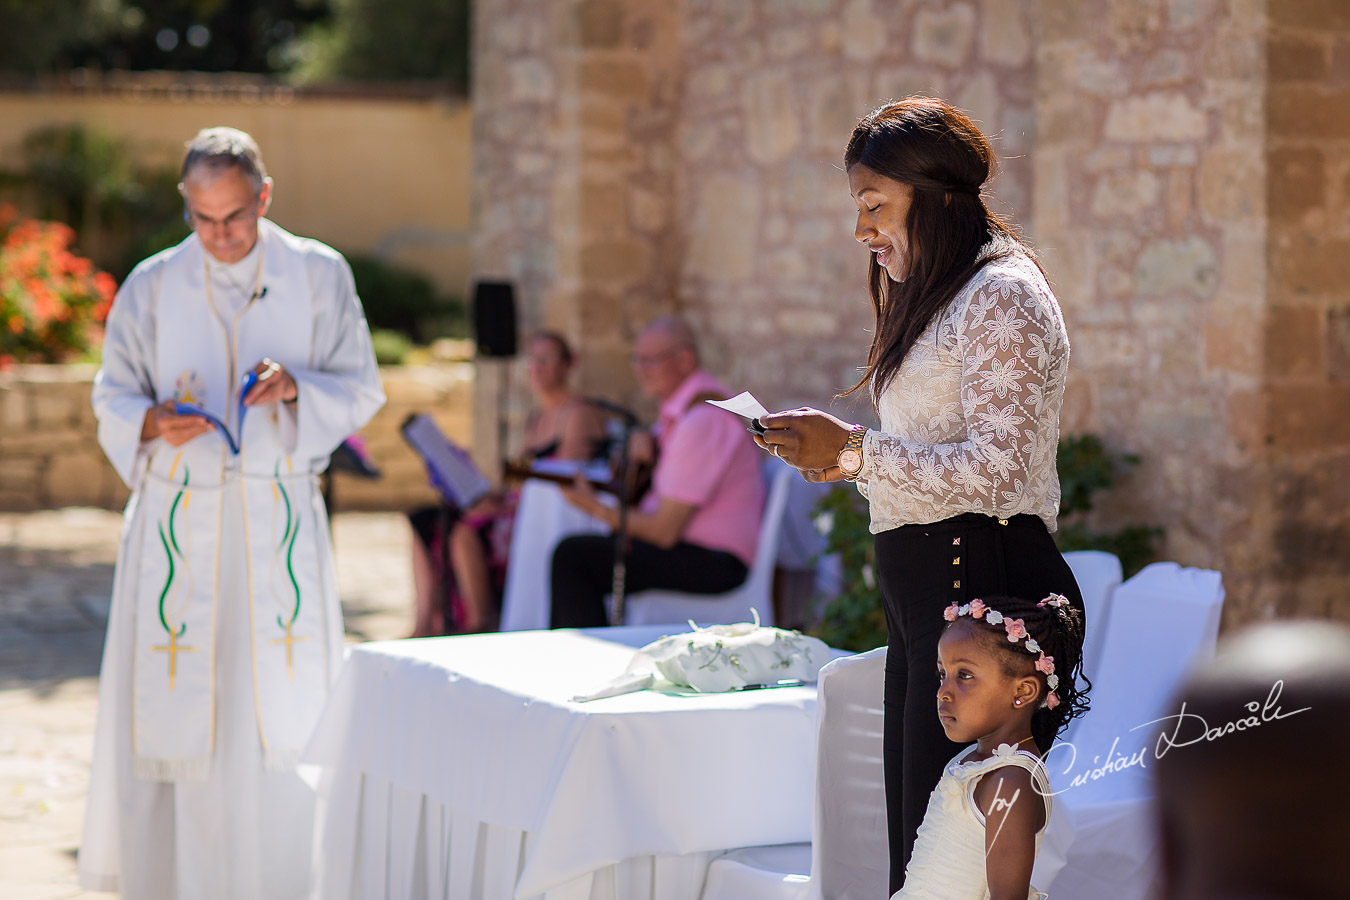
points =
(850, 461)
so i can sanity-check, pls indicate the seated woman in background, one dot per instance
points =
(563, 426)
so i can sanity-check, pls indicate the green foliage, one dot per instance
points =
(373, 40)
(1087, 467)
(391, 348)
(35, 34)
(43, 36)
(401, 300)
(121, 211)
(855, 621)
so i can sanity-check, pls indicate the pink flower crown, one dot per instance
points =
(1017, 631)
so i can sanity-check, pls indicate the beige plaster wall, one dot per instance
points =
(384, 175)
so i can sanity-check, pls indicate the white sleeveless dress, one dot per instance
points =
(948, 859)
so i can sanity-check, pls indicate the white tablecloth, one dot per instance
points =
(459, 767)
(543, 518)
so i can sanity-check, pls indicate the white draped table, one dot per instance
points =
(458, 767)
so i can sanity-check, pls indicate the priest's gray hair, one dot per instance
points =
(220, 148)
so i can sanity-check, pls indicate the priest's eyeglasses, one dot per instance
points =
(233, 220)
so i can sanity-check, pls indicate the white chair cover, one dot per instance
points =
(1098, 575)
(660, 607)
(1163, 622)
(848, 858)
(543, 518)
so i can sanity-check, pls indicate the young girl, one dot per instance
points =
(1008, 675)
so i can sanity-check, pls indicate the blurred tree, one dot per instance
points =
(374, 40)
(120, 210)
(38, 36)
(402, 301)
(33, 35)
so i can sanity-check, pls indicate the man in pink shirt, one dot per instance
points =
(696, 529)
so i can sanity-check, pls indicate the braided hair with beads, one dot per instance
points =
(1044, 637)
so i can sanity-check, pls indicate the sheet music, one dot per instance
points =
(452, 469)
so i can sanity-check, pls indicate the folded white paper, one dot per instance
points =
(743, 404)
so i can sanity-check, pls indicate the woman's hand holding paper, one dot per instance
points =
(805, 438)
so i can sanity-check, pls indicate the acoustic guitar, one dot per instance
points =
(639, 477)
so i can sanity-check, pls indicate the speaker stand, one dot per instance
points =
(503, 393)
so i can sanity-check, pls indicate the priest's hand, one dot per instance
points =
(162, 422)
(805, 438)
(275, 385)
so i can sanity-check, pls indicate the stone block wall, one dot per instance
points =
(49, 453)
(50, 457)
(1151, 217)
(770, 271)
(574, 176)
(637, 157)
(1306, 352)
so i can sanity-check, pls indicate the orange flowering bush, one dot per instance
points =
(52, 302)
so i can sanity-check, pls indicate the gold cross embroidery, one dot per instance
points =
(173, 648)
(290, 641)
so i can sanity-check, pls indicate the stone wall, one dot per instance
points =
(638, 157)
(1151, 216)
(770, 270)
(49, 453)
(574, 175)
(1306, 353)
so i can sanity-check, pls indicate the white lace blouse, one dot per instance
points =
(970, 422)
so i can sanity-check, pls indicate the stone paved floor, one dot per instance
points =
(55, 580)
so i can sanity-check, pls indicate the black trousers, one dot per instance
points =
(922, 569)
(583, 574)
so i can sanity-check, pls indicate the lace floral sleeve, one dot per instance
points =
(975, 427)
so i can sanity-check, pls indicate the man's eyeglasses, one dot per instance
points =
(642, 361)
(233, 220)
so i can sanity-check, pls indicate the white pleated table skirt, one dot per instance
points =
(379, 841)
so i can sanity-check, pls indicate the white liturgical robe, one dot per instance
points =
(225, 631)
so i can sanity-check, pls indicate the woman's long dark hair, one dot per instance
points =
(938, 152)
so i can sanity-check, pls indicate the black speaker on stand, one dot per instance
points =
(494, 330)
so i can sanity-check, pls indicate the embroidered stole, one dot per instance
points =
(201, 508)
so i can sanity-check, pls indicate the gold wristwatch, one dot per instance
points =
(851, 458)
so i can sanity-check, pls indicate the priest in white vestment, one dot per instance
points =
(225, 632)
